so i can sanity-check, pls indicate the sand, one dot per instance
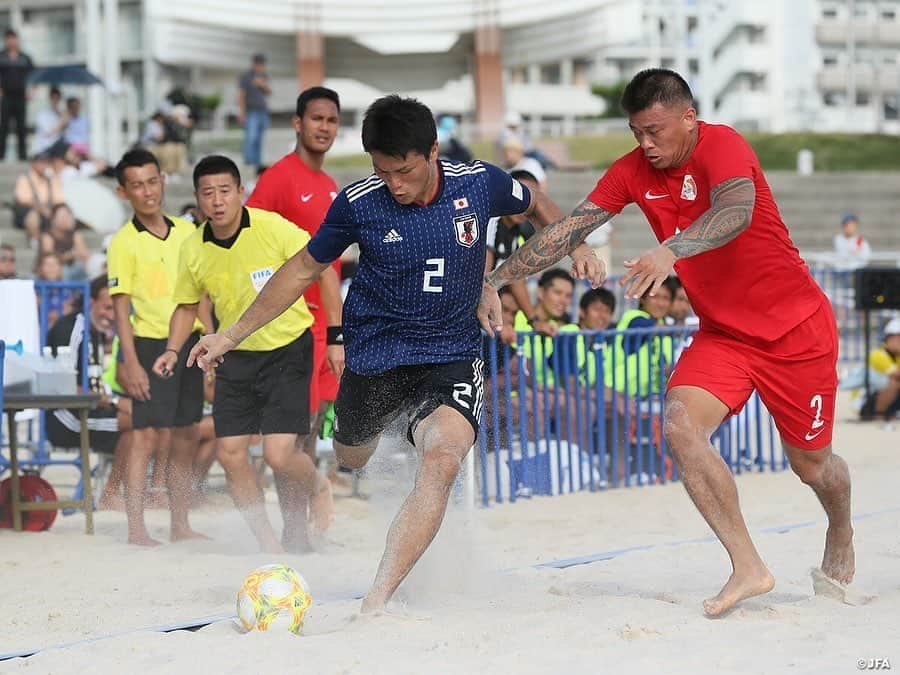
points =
(477, 602)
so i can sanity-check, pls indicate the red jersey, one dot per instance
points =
(756, 286)
(303, 196)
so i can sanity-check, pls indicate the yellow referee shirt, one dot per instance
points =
(145, 267)
(234, 271)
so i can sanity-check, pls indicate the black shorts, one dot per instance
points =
(64, 429)
(264, 392)
(366, 404)
(176, 401)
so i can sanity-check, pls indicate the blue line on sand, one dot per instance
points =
(562, 563)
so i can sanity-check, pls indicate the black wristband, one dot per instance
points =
(334, 335)
(169, 349)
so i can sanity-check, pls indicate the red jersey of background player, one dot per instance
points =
(756, 286)
(303, 196)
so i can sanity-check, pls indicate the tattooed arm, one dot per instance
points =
(729, 214)
(550, 245)
(546, 247)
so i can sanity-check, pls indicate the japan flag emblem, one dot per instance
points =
(461, 203)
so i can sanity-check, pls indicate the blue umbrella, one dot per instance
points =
(72, 74)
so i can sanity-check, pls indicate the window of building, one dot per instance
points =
(888, 14)
(833, 99)
(830, 13)
(830, 60)
(863, 98)
(891, 108)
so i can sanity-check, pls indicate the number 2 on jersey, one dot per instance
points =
(434, 271)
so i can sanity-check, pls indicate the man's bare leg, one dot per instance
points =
(179, 473)
(295, 477)
(142, 448)
(444, 438)
(691, 415)
(233, 453)
(159, 492)
(111, 499)
(828, 476)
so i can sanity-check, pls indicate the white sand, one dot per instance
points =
(639, 612)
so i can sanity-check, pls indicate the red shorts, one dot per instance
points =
(323, 385)
(796, 376)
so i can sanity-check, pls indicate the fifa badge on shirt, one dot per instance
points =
(461, 203)
(689, 188)
(259, 278)
(466, 229)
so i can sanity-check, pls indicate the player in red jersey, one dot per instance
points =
(297, 188)
(764, 324)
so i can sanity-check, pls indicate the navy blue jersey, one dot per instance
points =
(420, 273)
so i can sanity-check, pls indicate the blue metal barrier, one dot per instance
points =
(569, 413)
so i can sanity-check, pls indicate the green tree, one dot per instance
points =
(612, 95)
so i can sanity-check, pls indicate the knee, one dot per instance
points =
(678, 429)
(278, 459)
(441, 466)
(352, 457)
(809, 466)
(230, 458)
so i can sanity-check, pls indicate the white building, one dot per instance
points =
(773, 65)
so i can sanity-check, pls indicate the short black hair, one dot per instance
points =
(655, 85)
(600, 294)
(396, 126)
(7, 246)
(98, 285)
(55, 90)
(10, 33)
(673, 283)
(505, 290)
(552, 274)
(314, 93)
(71, 100)
(215, 164)
(135, 158)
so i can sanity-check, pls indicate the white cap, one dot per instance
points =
(532, 166)
(892, 327)
(512, 119)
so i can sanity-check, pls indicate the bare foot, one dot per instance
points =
(372, 605)
(143, 540)
(112, 502)
(188, 533)
(839, 561)
(321, 507)
(739, 588)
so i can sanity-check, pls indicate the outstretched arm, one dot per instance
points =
(546, 247)
(280, 292)
(729, 214)
(550, 245)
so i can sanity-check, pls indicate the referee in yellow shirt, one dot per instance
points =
(264, 387)
(142, 262)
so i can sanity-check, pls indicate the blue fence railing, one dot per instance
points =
(583, 411)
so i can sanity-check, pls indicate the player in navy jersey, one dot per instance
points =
(411, 338)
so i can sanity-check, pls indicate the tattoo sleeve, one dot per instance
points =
(550, 244)
(729, 214)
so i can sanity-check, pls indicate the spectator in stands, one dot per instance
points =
(35, 194)
(192, 213)
(449, 146)
(680, 312)
(71, 159)
(15, 66)
(885, 362)
(49, 123)
(159, 139)
(596, 309)
(7, 262)
(77, 129)
(513, 133)
(67, 243)
(640, 362)
(59, 302)
(109, 424)
(253, 109)
(851, 249)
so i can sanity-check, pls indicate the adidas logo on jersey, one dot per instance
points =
(392, 237)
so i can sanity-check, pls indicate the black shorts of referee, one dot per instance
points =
(264, 392)
(175, 401)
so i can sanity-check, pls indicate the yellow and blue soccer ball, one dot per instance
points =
(273, 595)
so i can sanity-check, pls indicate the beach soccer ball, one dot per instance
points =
(273, 595)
